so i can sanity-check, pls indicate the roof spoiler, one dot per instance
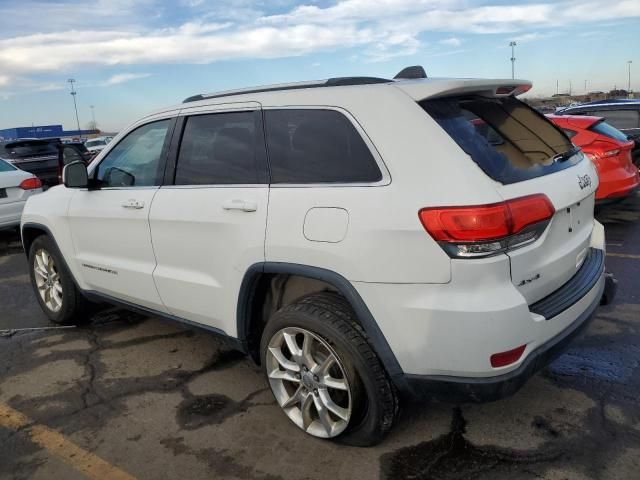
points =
(411, 73)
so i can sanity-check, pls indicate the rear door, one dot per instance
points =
(208, 221)
(527, 155)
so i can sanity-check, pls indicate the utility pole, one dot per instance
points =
(569, 87)
(512, 44)
(75, 106)
(93, 116)
(629, 84)
(557, 87)
(585, 87)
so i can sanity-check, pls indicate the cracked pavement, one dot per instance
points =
(160, 401)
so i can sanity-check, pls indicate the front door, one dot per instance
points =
(110, 223)
(208, 227)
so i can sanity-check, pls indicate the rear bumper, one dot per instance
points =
(590, 282)
(10, 214)
(617, 183)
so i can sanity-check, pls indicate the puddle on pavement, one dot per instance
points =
(616, 364)
(452, 456)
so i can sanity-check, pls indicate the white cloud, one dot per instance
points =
(527, 37)
(124, 77)
(451, 42)
(233, 29)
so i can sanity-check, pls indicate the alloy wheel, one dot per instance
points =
(309, 382)
(48, 280)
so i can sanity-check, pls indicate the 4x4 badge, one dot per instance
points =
(584, 181)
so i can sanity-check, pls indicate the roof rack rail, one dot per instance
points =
(332, 82)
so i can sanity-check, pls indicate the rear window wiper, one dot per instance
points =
(561, 157)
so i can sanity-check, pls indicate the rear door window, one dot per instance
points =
(507, 139)
(222, 148)
(317, 146)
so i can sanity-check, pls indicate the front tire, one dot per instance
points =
(53, 284)
(324, 374)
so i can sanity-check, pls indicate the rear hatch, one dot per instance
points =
(39, 157)
(527, 155)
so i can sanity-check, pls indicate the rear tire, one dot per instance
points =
(53, 284)
(324, 324)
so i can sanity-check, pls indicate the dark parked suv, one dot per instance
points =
(38, 156)
(622, 114)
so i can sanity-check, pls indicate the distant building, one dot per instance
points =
(43, 131)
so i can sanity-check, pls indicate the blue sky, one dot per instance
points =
(130, 57)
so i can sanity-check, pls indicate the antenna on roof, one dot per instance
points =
(410, 73)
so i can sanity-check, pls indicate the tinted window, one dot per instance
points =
(508, 140)
(620, 118)
(603, 128)
(222, 148)
(6, 167)
(28, 148)
(135, 160)
(317, 146)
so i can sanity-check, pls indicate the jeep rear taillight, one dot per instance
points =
(483, 230)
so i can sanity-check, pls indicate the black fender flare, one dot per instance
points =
(377, 339)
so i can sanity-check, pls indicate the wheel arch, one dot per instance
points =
(30, 231)
(249, 323)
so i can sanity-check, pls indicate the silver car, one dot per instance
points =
(16, 186)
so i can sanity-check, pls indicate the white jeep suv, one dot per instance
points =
(361, 238)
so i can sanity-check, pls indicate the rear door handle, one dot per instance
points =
(238, 204)
(133, 203)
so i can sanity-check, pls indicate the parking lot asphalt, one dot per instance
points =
(135, 397)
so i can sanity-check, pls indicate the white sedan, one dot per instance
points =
(96, 145)
(16, 186)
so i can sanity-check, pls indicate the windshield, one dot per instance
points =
(6, 167)
(95, 143)
(508, 140)
(603, 128)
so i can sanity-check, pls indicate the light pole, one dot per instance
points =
(75, 106)
(512, 44)
(93, 116)
(629, 84)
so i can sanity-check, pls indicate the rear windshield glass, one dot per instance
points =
(603, 128)
(508, 140)
(28, 148)
(6, 167)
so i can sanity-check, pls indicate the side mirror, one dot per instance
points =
(67, 154)
(74, 175)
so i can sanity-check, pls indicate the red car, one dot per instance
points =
(608, 147)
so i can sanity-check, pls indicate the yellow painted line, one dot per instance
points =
(81, 460)
(623, 255)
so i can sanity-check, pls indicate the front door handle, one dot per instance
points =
(133, 203)
(238, 204)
